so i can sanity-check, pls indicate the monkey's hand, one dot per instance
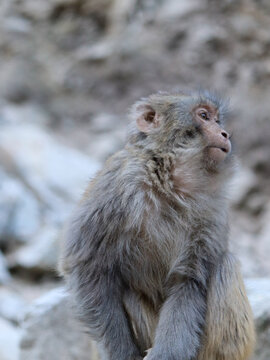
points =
(180, 323)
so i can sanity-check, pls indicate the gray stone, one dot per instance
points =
(95, 53)
(57, 174)
(25, 113)
(103, 122)
(40, 183)
(9, 341)
(259, 296)
(242, 183)
(50, 331)
(244, 25)
(21, 82)
(40, 10)
(173, 9)
(4, 273)
(12, 305)
(40, 254)
(263, 241)
(19, 211)
(48, 178)
(17, 25)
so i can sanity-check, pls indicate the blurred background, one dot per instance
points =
(69, 71)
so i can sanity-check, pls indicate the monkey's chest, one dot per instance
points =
(148, 267)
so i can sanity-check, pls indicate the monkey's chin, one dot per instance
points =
(216, 154)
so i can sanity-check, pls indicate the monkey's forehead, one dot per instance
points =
(188, 100)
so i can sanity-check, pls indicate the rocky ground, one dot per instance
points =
(69, 71)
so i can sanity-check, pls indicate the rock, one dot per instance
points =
(17, 25)
(95, 53)
(20, 216)
(9, 341)
(40, 10)
(103, 147)
(258, 290)
(35, 10)
(41, 181)
(263, 241)
(250, 229)
(244, 246)
(25, 113)
(173, 9)
(50, 331)
(103, 123)
(4, 274)
(244, 26)
(259, 160)
(50, 178)
(242, 183)
(56, 173)
(259, 296)
(39, 255)
(12, 305)
(249, 220)
(21, 82)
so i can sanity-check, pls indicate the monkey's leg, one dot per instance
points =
(181, 323)
(99, 297)
(229, 332)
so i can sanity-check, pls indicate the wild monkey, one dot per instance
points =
(146, 255)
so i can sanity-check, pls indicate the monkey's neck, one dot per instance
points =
(185, 176)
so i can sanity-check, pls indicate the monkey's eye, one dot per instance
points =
(204, 115)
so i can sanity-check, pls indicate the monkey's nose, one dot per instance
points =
(225, 134)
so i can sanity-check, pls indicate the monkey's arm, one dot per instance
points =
(181, 323)
(224, 330)
(229, 331)
(92, 272)
(99, 297)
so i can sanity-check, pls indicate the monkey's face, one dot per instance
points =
(190, 127)
(182, 123)
(217, 140)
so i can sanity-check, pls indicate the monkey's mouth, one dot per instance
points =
(225, 150)
(225, 147)
(218, 153)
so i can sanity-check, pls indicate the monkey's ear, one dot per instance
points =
(147, 118)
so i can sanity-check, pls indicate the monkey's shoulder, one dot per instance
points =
(122, 175)
(116, 193)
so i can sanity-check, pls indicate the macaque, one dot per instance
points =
(146, 254)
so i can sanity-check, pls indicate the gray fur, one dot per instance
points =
(138, 256)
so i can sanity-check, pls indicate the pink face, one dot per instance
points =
(217, 139)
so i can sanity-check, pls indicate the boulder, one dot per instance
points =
(39, 255)
(40, 182)
(4, 274)
(50, 331)
(12, 305)
(9, 341)
(56, 174)
(259, 296)
(20, 216)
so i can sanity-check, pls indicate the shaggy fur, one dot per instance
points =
(146, 257)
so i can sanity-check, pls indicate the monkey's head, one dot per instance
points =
(188, 125)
